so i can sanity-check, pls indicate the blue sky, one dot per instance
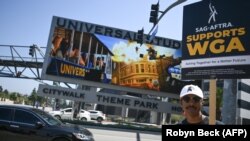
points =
(27, 22)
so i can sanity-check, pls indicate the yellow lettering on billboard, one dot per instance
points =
(216, 46)
(71, 70)
(217, 34)
(236, 44)
(241, 31)
(217, 49)
(215, 42)
(197, 47)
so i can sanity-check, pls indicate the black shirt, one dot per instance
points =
(205, 121)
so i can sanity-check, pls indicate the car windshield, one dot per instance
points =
(47, 117)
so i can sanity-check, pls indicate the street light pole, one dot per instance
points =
(164, 12)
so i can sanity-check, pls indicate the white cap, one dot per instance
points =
(191, 89)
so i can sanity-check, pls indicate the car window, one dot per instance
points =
(68, 110)
(47, 117)
(25, 117)
(93, 112)
(5, 114)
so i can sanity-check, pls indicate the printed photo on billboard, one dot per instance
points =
(84, 57)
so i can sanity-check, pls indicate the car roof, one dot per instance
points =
(17, 106)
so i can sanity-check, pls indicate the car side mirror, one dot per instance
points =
(39, 125)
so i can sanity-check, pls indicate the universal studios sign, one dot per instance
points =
(216, 40)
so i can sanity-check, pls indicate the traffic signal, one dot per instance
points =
(32, 50)
(152, 54)
(140, 35)
(154, 13)
(18, 74)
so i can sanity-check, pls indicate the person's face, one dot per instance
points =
(191, 105)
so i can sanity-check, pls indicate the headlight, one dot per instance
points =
(81, 136)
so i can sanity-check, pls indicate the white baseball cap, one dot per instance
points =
(191, 89)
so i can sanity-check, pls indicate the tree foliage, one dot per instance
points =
(35, 98)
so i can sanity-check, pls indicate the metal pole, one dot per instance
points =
(164, 12)
(212, 101)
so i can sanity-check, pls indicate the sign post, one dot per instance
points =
(212, 101)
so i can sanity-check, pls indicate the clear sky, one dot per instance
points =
(27, 22)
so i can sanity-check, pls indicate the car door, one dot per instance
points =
(5, 119)
(67, 114)
(23, 127)
(85, 115)
(93, 114)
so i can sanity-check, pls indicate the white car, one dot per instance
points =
(67, 114)
(97, 115)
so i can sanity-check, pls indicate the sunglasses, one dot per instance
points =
(195, 99)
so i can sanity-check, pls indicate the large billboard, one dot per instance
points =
(216, 40)
(101, 56)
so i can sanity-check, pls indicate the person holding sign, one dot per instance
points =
(191, 100)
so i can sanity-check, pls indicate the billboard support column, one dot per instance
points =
(212, 101)
(153, 117)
